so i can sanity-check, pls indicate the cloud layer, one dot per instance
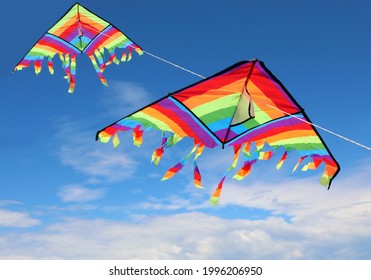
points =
(306, 222)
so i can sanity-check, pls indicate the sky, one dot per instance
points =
(65, 196)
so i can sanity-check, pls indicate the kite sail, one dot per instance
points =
(80, 31)
(244, 106)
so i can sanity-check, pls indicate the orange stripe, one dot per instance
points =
(289, 135)
(93, 25)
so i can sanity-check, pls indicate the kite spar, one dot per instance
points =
(79, 31)
(231, 108)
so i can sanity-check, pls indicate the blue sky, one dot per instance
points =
(65, 196)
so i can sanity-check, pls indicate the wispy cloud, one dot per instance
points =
(17, 219)
(99, 163)
(78, 193)
(125, 98)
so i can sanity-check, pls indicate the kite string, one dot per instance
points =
(275, 108)
(320, 127)
(173, 64)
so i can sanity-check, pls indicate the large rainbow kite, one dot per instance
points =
(242, 106)
(80, 31)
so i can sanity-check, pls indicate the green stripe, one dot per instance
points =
(150, 121)
(220, 103)
(218, 115)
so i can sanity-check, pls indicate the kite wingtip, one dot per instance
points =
(97, 135)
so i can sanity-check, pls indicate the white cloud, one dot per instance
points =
(99, 163)
(17, 219)
(78, 193)
(125, 98)
(307, 222)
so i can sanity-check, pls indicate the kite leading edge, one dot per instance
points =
(235, 108)
(79, 31)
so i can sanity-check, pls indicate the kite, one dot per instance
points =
(244, 106)
(80, 31)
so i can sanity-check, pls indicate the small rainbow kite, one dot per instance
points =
(79, 31)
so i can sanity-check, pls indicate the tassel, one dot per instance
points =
(265, 155)
(99, 56)
(115, 140)
(177, 167)
(130, 54)
(313, 164)
(50, 66)
(72, 74)
(245, 169)
(97, 69)
(196, 172)
(216, 194)
(114, 59)
(157, 153)
(214, 200)
(138, 136)
(248, 163)
(197, 176)
(300, 161)
(37, 65)
(283, 158)
(123, 57)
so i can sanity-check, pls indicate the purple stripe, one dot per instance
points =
(55, 41)
(287, 122)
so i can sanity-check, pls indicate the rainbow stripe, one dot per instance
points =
(79, 31)
(234, 108)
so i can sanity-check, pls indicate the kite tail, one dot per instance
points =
(245, 169)
(115, 140)
(196, 172)
(157, 153)
(216, 194)
(282, 160)
(128, 54)
(38, 65)
(137, 136)
(97, 69)
(69, 67)
(177, 167)
(72, 79)
(50, 65)
(298, 163)
(248, 163)
(112, 58)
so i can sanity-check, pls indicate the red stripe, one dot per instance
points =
(215, 83)
(272, 91)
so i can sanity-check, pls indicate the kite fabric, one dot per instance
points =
(80, 31)
(244, 106)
